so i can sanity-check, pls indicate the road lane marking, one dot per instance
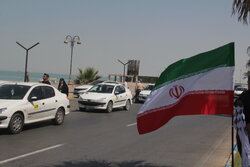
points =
(133, 124)
(29, 154)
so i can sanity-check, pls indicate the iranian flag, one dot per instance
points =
(202, 84)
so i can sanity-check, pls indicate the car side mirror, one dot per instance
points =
(33, 98)
(116, 92)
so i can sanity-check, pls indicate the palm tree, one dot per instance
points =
(246, 74)
(242, 7)
(87, 75)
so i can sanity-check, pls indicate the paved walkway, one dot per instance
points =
(219, 153)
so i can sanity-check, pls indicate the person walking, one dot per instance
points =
(63, 87)
(46, 79)
(138, 88)
(125, 83)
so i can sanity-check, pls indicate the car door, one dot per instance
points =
(120, 94)
(49, 102)
(35, 105)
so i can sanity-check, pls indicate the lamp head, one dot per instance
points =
(78, 42)
(65, 41)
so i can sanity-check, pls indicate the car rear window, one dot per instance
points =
(149, 87)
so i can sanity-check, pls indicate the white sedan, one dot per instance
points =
(238, 91)
(106, 96)
(84, 88)
(143, 95)
(23, 103)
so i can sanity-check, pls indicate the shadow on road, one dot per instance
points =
(90, 111)
(106, 164)
(31, 126)
(98, 111)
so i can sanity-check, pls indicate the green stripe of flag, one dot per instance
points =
(219, 57)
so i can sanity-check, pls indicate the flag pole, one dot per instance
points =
(232, 140)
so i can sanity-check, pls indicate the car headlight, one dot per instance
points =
(2, 110)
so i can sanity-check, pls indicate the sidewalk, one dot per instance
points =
(237, 158)
(219, 153)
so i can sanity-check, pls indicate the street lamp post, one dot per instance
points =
(72, 40)
(124, 66)
(26, 61)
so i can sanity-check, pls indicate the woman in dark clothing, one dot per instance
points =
(244, 101)
(63, 87)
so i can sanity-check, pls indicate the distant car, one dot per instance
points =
(238, 91)
(106, 96)
(24, 103)
(143, 95)
(84, 88)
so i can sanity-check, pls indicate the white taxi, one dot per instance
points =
(106, 96)
(22, 103)
(84, 88)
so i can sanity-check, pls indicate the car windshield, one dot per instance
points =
(241, 89)
(96, 82)
(149, 87)
(102, 89)
(114, 82)
(14, 92)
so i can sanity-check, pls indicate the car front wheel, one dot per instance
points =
(109, 106)
(16, 123)
(59, 118)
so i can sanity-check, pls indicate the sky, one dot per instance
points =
(156, 32)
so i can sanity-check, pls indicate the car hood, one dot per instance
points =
(9, 103)
(95, 96)
(145, 92)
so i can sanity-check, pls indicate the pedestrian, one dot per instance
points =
(27, 77)
(46, 79)
(125, 83)
(63, 87)
(244, 100)
(138, 88)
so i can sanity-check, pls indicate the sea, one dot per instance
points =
(33, 76)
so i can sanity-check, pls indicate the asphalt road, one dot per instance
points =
(98, 139)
